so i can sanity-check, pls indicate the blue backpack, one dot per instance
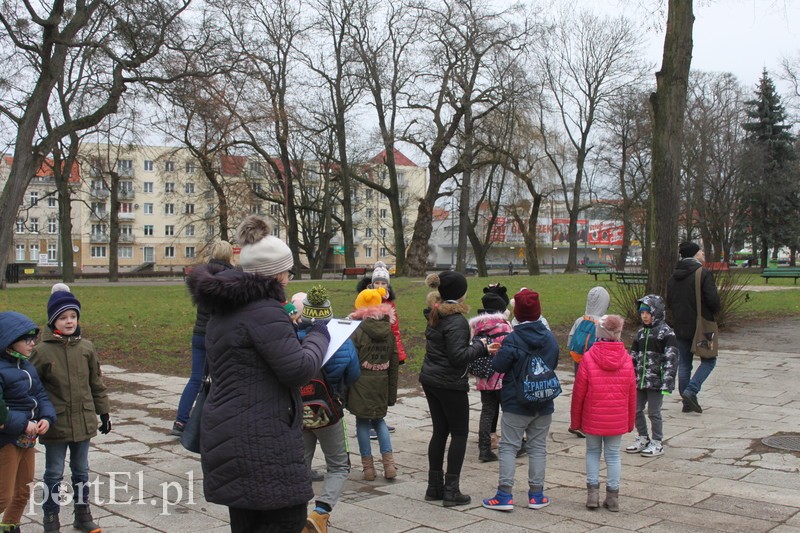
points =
(583, 338)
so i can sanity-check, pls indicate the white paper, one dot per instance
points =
(340, 330)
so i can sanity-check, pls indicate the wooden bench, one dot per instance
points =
(719, 266)
(599, 268)
(354, 271)
(631, 278)
(781, 272)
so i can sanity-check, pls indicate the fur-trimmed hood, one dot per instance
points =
(445, 308)
(375, 312)
(224, 290)
(490, 324)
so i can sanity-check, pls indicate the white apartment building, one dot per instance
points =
(168, 210)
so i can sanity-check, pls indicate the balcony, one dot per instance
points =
(98, 238)
(125, 172)
(126, 239)
(100, 193)
(126, 216)
(127, 194)
(98, 215)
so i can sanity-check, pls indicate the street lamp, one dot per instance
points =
(452, 233)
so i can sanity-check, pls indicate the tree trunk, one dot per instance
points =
(417, 259)
(669, 109)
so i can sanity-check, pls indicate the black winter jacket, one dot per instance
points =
(203, 313)
(449, 348)
(681, 299)
(251, 434)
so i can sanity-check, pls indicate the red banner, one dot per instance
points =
(605, 233)
(498, 233)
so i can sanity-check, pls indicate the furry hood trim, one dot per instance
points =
(375, 312)
(434, 300)
(223, 290)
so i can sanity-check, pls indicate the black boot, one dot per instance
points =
(485, 453)
(435, 485)
(84, 521)
(51, 523)
(452, 494)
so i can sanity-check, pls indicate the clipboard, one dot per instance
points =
(340, 330)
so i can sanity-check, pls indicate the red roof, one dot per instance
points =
(440, 214)
(46, 170)
(399, 158)
(232, 165)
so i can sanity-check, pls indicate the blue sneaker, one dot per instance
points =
(537, 500)
(502, 501)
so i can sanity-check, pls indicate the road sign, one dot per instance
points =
(338, 250)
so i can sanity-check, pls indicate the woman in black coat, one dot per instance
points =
(251, 433)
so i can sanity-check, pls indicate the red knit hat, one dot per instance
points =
(526, 306)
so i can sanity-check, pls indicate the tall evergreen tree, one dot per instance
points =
(771, 203)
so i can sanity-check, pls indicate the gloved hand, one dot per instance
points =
(105, 424)
(320, 327)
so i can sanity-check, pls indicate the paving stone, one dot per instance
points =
(709, 518)
(744, 507)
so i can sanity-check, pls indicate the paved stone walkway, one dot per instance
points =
(714, 476)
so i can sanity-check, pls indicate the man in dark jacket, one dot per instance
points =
(682, 302)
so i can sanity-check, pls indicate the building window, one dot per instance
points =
(383, 212)
(190, 168)
(52, 251)
(52, 225)
(189, 231)
(99, 229)
(98, 209)
(34, 225)
(368, 232)
(370, 213)
(52, 201)
(125, 207)
(169, 186)
(20, 252)
(148, 165)
(169, 209)
(256, 168)
(34, 198)
(255, 209)
(126, 230)
(276, 232)
(275, 187)
(34, 252)
(383, 233)
(368, 194)
(169, 231)
(274, 209)
(125, 252)
(189, 210)
(169, 166)
(148, 186)
(124, 165)
(169, 251)
(211, 231)
(148, 209)
(368, 251)
(384, 252)
(20, 227)
(148, 230)
(190, 253)
(98, 251)
(189, 187)
(126, 186)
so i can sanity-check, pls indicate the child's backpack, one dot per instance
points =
(538, 383)
(322, 406)
(583, 338)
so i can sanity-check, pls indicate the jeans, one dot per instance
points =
(610, 447)
(333, 441)
(193, 386)
(362, 435)
(653, 399)
(55, 456)
(685, 368)
(514, 427)
(285, 520)
(450, 417)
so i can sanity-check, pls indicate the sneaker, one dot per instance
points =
(690, 398)
(390, 428)
(502, 501)
(373, 435)
(577, 432)
(638, 445)
(653, 449)
(177, 429)
(537, 500)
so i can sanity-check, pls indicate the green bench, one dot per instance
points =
(599, 268)
(631, 278)
(781, 272)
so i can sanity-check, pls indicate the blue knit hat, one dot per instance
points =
(13, 327)
(59, 302)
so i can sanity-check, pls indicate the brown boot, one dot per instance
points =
(592, 496)
(368, 466)
(389, 469)
(317, 522)
(612, 500)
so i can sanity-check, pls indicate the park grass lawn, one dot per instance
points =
(148, 328)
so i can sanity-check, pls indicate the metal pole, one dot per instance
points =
(452, 234)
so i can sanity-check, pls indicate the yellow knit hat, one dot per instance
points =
(370, 297)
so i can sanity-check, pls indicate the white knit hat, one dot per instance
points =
(379, 271)
(261, 252)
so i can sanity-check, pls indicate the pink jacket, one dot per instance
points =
(604, 393)
(495, 326)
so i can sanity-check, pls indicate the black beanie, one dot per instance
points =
(493, 303)
(499, 290)
(450, 284)
(688, 249)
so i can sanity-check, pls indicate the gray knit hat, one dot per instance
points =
(261, 252)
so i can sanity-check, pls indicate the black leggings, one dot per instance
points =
(450, 416)
(285, 520)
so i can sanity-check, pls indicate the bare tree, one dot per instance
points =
(588, 60)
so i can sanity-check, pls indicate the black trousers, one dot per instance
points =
(286, 520)
(450, 416)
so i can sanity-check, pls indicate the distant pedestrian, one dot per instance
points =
(26, 413)
(655, 360)
(523, 418)
(381, 279)
(449, 349)
(69, 368)
(682, 303)
(604, 407)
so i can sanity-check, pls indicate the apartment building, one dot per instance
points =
(167, 209)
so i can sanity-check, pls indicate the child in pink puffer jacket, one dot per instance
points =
(492, 323)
